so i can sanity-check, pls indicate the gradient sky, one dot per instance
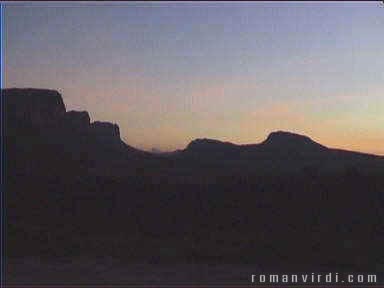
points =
(171, 72)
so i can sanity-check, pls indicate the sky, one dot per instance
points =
(170, 72)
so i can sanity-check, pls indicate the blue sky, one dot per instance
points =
(171, 72)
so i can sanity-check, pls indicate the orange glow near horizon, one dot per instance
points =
(173, 72)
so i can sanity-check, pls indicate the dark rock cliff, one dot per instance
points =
(44, 109)
(37, 107)
(105, 131)
(78, 120)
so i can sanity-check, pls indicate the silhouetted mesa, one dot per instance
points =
(106, 131)
(78, 120)
(37, 107)
(282, 140)
(45, 109)
(279, 140)
(74, 188)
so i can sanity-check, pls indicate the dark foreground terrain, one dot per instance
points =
(74, 190)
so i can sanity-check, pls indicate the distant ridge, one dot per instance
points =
(282, 140)
(285, 137)
(278, 139)
(205, 145)
(46, 108)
